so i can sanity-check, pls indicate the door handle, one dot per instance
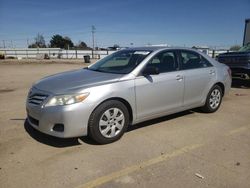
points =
(179, 77)
(212, 72)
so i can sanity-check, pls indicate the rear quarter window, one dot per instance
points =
(192, 60)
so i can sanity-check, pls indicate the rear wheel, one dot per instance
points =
(213, 100)
(108, 122)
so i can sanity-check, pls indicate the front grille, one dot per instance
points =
(37, 99)
(33, 121)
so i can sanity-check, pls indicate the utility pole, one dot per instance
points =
(28, 42)
(11, 44)
(4, 44)
(4, 47)
(93, 29)
(68, 52)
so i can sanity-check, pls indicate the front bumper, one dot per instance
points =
(74, 119)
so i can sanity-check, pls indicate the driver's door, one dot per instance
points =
(158, 94)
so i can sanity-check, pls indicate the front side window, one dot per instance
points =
(192, 60)
(121, 62)
(164, 61)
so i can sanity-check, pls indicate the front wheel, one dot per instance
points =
(108, 122)
(213, 100)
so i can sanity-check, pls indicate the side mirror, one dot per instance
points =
(150, 70)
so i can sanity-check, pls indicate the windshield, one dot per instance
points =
(245, 48)
(121, 62)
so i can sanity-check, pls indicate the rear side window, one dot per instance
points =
(192, 60)
(164, 61)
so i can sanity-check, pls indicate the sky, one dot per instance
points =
(214, 23)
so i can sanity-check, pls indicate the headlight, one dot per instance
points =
(66, 99)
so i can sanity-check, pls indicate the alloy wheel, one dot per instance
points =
(111, 122)
(215, 98)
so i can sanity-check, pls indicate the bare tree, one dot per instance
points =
(39, 42)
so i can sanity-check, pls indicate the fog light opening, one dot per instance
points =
(58, 127)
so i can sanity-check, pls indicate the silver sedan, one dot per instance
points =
(125, 88)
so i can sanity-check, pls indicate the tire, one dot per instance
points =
(108, 122)
(213, 100)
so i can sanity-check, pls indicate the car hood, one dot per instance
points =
(75, 80)
(230, 54)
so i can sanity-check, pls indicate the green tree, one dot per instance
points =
(57, 41)
(82, 45)
(116, 46)
(235, 47)
(68, 43)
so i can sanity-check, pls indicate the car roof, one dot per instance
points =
(160, 48)
(148, 48)
(155, 48)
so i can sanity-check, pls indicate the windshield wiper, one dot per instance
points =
(96, 70)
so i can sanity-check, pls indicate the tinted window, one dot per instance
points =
(164, 61)
(192, 60)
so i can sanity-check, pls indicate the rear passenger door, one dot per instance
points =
(198, 74)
